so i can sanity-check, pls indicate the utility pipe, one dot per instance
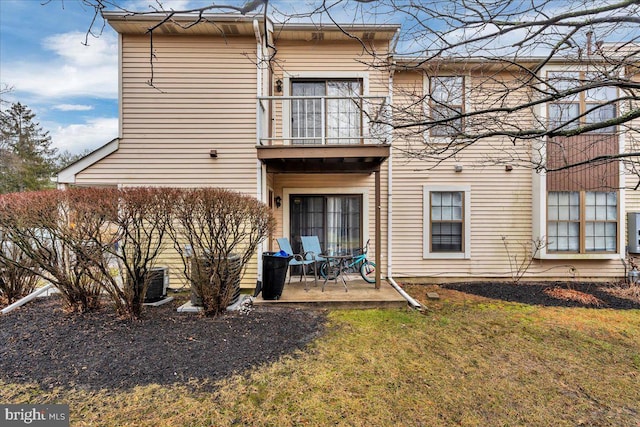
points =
(413, 303)
(24, 300)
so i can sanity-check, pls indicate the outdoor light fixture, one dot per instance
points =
(278, 85)
(278, 201)
(457, 168)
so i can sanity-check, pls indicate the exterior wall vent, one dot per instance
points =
(633, 232)
(317, 36)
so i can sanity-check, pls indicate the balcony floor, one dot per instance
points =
(360, 295)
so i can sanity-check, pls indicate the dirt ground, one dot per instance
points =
(40, 343)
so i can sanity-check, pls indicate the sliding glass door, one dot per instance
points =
(338, 118)
(335, 219)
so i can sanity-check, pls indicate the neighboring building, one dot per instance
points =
(297, 135)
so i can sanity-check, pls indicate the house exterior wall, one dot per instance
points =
(203, 99)
(501, 206)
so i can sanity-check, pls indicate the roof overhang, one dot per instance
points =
(236, 24)
(335, 32)
(228, 24)
(68, 174)
(365, 158)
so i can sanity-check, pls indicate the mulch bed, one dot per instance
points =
(40, 343)
(555, 294)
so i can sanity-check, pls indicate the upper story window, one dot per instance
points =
(584, 108)
(333, 112)
(446, 100)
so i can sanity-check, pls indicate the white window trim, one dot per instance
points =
(426, 215)
(288, 191)
(327, 75)
(426, 135)
(539, 188)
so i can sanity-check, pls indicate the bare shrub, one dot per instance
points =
(130, 242)
(519, 263)
(39, 225)
(220, 226)
(16, 281)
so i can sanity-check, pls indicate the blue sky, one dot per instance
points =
(72, 88)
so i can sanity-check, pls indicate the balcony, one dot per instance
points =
(323, 134)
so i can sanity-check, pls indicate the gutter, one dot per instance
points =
(24, 300)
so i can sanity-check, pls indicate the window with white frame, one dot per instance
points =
(446, 100)
(447, 222)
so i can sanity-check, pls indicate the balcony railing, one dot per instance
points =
(323, 120)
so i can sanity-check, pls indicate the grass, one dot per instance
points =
(466, 361)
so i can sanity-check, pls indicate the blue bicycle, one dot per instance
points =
(359, 262)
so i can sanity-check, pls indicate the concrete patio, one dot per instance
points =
(360, 294)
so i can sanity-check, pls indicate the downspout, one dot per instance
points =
(24, 300)
(259, 180)
(412, 302)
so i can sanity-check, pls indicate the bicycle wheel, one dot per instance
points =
(368, 271)
(326, 272)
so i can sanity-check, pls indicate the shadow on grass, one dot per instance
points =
(553, 294)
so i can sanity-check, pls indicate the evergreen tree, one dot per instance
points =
(27, 159)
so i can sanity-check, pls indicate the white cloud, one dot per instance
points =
(72, 107)
(73, 70)
(90, 135)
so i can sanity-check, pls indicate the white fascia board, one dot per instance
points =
(68, 174)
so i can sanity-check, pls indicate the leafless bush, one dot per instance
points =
(39, 225)
(16, 281)
(221, 227)
(519, 263)
(124, 231)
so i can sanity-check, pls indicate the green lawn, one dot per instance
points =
(466, 361)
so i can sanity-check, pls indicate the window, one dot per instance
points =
(333, 112)
(586, 107)
(447, 225)
(582, 221)
(446, 221)
(446, 100)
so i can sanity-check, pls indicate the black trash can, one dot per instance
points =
(274, 272)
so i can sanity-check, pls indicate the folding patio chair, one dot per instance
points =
(297, 259)
(312, 249)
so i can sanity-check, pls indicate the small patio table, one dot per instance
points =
(336, 267)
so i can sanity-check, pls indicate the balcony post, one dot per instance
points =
(378, 228)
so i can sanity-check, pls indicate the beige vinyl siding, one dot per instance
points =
(203, 99)
(501, 205)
